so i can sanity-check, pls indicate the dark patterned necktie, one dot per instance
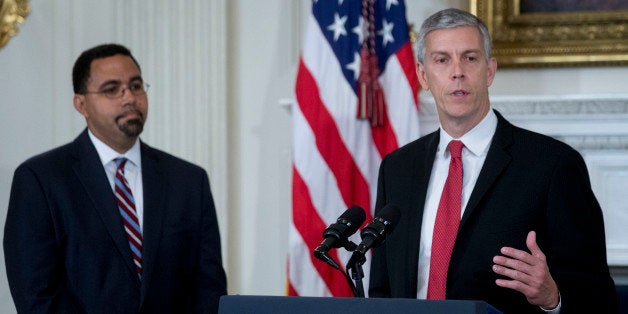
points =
(126, 206)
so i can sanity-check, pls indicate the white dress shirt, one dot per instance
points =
(132, 171)
(476, 144)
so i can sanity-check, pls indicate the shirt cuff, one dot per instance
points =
(555, 310)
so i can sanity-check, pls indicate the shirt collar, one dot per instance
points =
(477, 140)
(107, 154)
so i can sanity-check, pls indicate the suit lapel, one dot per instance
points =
(419, 180)
(496, 162)
(155, 192)
(424, 162)
(89, 171)
(420, 175)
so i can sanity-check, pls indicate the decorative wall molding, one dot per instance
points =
(12, 13)
(596, 143)
(562, 105)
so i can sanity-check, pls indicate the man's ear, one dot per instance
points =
(492, 69)
(79, 104)
(420, 72)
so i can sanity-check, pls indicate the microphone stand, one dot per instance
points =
(357, 273)
(323, 256)
(358, 290)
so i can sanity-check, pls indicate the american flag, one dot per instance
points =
(336, 155)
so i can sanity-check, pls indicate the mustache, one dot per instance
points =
(137, 112)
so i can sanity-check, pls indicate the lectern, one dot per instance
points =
(316, 305)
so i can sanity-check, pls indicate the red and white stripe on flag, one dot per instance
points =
(336, 155)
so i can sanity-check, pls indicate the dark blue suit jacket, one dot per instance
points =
(528, 182)
(66, 250)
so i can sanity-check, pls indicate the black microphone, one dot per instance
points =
(337, 234)
(374, 234)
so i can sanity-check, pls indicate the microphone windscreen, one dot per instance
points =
(391, 214)
(354, 216)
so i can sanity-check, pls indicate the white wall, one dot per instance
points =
(264, 44)
(244, 137)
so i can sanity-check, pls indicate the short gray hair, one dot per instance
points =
(447, 19)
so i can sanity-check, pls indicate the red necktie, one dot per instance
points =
(446, 226)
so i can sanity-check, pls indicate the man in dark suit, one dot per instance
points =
(107, 224)
(528, 234)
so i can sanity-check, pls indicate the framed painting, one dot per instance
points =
(541, 33)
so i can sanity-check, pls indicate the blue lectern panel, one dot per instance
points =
(276, 304)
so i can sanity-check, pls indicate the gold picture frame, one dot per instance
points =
(12, 12)
(551, 39)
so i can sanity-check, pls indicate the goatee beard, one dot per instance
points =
(132, 128)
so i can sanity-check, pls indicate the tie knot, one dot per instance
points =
(120, 162)
(455, 148)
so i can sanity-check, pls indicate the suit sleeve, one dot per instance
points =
(32, 259)
(211, 280)
(575, 233)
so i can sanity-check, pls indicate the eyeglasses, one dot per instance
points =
(117, 91)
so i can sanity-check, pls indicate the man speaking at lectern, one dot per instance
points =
(490, 211)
